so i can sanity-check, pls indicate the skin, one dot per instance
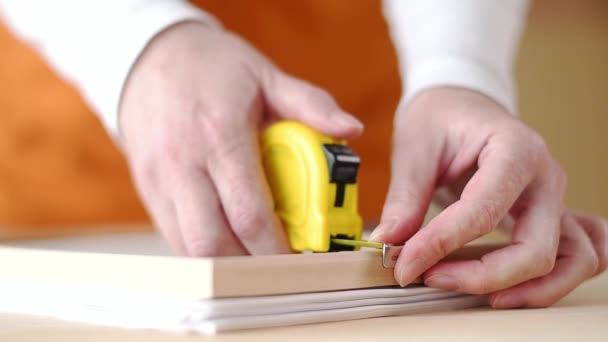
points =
(489, 167)
(190, 116)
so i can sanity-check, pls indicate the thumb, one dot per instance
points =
(291, 98)
(414, 166)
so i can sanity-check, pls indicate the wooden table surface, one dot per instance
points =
(582, 316)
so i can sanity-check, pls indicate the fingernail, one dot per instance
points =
(383, 229)
(504, 301)
(442, 281)
(407, 274)
(346, 120)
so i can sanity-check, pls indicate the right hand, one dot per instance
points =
(447, 137)
(190, 116)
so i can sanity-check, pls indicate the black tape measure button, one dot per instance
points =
(343, 165)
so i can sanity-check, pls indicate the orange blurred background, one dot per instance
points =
(58, 168)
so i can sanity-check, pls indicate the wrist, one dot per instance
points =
(460, 73)
(442, 98)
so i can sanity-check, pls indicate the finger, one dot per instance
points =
(237, 173)
(597, 230)
(414, 169)
(164, 218)
(503, 174)
(201, 220)
(161, 210)
(576, 262)
(291, 98)
(532, 254)
(535, 240)
(446, 195)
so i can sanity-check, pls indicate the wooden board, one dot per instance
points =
(204, 277)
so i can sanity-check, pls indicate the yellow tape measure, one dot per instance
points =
(313, 179)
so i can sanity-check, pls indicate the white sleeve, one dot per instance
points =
(464, 43)
(94, 43)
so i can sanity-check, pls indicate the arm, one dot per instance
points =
(95, 43)
(467, 43)
(192, 98)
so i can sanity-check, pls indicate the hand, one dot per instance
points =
(582, 254)
(190, 117)
(447, 135)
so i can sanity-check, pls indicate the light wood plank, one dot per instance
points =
(204, 277)
(272, 274)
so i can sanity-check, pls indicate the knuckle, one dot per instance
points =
(590, 263)
(229, 150)
(481, 284)
(482, 281)
(532, 150)
(175, 152)
(314, 94)
(168, 150)
(442, 245)
(215, 123)
(536, 145)
(485, 228)
(249, 224)
(210, 137)
(487, 217)
(518, 176)
(223, 147)
(542, 262)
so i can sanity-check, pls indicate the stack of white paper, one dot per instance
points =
(208, 316)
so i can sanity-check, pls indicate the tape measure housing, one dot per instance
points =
(313, 179)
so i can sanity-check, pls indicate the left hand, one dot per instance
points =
(448, 134)
(190, 118)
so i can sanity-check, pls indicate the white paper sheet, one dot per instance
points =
(209, 316)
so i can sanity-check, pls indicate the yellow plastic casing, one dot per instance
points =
(298, 173)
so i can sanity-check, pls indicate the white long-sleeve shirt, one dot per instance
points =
(465, 43)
